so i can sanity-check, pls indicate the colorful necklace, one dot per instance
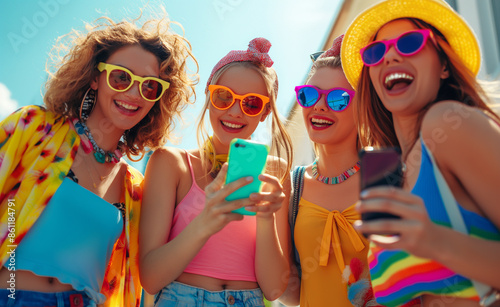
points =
(334, 180)
(89, 145)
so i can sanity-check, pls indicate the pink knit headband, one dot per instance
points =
(334, 51)
(257, 52)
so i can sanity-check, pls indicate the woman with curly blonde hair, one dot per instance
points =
(62, 178)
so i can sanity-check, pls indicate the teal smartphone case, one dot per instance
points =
(246, 158)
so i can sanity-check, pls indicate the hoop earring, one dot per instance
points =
(139, 159)
(88, 103)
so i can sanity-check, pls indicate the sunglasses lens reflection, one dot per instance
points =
(410, 43)
(316, 55)
(307, 96)
(338, 100)
(374, 53)
(252, 105)
(151, 89)
(121, 80)
(222, 98)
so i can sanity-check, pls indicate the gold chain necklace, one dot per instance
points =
(101, 178)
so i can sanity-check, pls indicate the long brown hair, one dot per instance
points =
(70, 75)
(376, 126)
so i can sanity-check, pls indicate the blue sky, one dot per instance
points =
(214, 27)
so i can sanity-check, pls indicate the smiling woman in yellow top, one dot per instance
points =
(332, 254)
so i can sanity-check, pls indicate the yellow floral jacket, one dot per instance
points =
(37, 149)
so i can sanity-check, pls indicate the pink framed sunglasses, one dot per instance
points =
(407, 44)
(337, 98)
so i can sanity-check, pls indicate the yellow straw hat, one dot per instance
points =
(435, 12)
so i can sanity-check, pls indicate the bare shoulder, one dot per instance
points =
(167, 163)
(166, 156)
(456, 133)
(449, 121)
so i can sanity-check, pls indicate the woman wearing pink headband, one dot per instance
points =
(194, 250)
(334, 269)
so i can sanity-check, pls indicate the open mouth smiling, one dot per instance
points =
(232, 125)
(397, 80)
(126, 106)
(320, 122)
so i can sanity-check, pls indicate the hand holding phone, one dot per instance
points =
(380, 167)
(246, 158)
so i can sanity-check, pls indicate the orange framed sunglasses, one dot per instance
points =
(121, 79)
(222, 98)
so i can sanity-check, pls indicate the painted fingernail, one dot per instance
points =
(249, 178)
(357, 205)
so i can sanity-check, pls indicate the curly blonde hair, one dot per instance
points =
(70, 75)
(281, 144)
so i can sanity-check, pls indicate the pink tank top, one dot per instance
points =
(230, 253)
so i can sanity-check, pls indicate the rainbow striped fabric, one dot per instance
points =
(399, 278)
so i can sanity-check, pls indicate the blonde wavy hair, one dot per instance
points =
(70, 74)
(281, 144)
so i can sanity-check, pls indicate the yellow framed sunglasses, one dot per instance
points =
(121, 79)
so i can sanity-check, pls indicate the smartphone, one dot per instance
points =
(246, 158)
(379, 167)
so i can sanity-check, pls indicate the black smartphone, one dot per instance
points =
(379, 167)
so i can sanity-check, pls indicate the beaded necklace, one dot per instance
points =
(334, 180)
(89, 145)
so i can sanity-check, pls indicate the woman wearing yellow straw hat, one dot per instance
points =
(413, 65)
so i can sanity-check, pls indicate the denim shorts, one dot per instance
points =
(182, 295)
(34, 299)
